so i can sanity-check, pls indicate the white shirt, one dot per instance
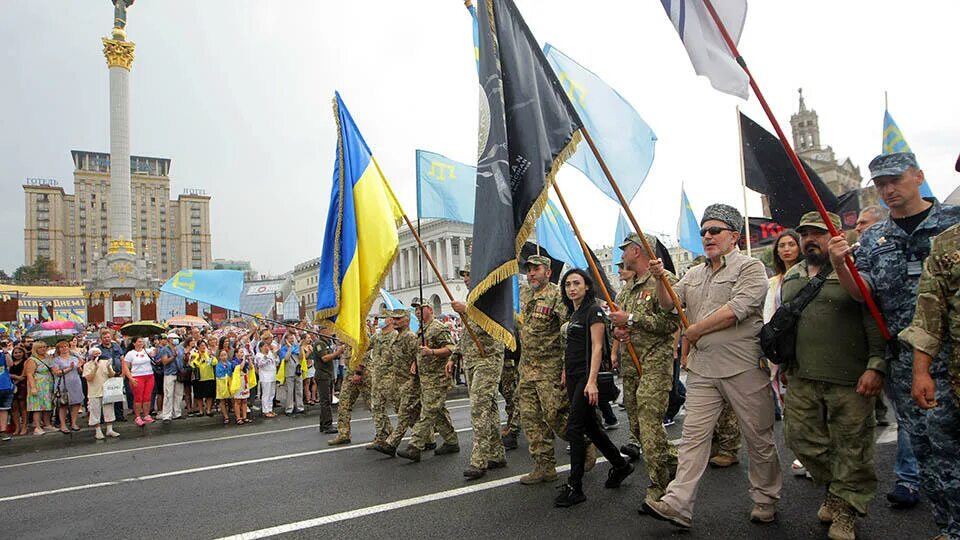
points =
(139, 363)
(268, 366)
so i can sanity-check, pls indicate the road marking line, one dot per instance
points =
(182, 472)
(193, 441)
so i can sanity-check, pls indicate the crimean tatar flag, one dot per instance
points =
(360, 239)
(893, 142)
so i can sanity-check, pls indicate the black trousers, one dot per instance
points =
(324, 392)
(583, 422)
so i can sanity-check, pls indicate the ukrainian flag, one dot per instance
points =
(360, 240)
(893, 142)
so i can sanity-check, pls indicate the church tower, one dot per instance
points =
(806, 128)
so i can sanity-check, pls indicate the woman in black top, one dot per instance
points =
(585, 338)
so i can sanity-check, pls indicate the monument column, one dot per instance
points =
(119, 54)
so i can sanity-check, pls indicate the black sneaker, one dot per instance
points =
(903, 498)
(617, 475)
(569, 496)
(631, 450)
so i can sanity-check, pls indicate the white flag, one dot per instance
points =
(708, 52)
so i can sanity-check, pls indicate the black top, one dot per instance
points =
(910, 223)
(576, 355)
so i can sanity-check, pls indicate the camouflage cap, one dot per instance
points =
(537, 260)
(634, 238)
(814, 221)
(725, 213)
(892, 164)
(399, 313)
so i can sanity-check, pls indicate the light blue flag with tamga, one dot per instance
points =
(622, 232)
(556, 236)
(688, 231)
(392, 302)
(220, 288)
(894, 142)
(446, 189)
(625, 141)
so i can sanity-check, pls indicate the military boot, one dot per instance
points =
(829, 508)
(473, 473)
(410, 452)
(447, 449)
(385, 448)
(510, 441)
(539, 475)
(843, 520)
(339, 440)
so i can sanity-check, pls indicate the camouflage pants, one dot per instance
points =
(482, 380)
(543, 415)
(508, 389)
(408, 410)
(383, 394)
(349, 393)
(830, 429)
(646, 401)
(434, 416)
(726, 436)
(935, 437)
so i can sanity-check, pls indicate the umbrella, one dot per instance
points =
(53, 331)
(143, 329)
(186, 320)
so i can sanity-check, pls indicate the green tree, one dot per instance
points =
(42, 270)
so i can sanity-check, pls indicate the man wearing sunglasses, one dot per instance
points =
(723, 299)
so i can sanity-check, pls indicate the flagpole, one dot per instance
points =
(857, 278)
(596, 272)
(633, 221)
(743, 184)
(443, 283)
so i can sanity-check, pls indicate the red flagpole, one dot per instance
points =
(867, 297)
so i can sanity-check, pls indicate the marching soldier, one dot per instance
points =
(403, 352)
(383, 388)
(483, 376)
(356, 384)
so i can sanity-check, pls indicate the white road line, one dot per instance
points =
(380, 508)
(182, 472)
(194, 441)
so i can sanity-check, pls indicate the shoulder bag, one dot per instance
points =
(778, 338)
(606, 383)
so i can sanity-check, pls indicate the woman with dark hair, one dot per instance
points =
(586, 335)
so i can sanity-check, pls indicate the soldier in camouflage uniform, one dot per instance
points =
(650, 330)
(356, 384)
(403, 352)
(621, 360)
(383, 387)
(935, 331)
(435, 368)
(543, 403)
(483, 376)
(509, 378)
(890, 259)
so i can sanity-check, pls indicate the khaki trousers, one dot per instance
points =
(749, 395)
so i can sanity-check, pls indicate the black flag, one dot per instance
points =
(769, 171)
(527, 129)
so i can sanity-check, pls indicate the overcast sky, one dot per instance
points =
(238, 94)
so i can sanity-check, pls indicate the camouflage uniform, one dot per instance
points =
(726, 436)
(890, 260)
(935, 330)
(383, 386)
(543, 404)
(646, 397)
(483, 376)
(404, 351)
(508, 389)
(350, 391)
(434, 385)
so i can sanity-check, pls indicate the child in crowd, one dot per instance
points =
(267, 361)
(240, 362)
(224, 370)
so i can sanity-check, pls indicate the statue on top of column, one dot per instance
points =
(120, 12)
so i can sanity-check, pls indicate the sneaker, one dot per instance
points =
(903, 497)
(842, 527)
(763, 512)
(664, 512)
(538, 476)
(610, 426)
(569, 496)
(632, 451)
(5, 436)
(721, 461)
(797, 468)
(148, 419)
(138, 421)
(621, 406)
(617, 475)
(667, 422)
(112, 433)
(99, 435)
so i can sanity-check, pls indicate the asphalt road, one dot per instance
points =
(278, 477)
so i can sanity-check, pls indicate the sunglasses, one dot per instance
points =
(714, 230)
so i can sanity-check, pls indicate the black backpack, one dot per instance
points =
(778, 338)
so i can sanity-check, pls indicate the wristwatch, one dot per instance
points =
(630, 320)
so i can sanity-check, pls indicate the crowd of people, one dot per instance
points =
(708, 323)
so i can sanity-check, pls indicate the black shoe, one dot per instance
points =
(430, 446)
(617, 475)
(472, 473)
(631, 450)
(385, 449)
(496, 464)
(447, 449)
(510, 441)
(903, 498)
(410, 452)
(569, 496)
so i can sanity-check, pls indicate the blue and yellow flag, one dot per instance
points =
(556, 236)
(893, 142)
(446, 189)
(360, 240)
(688, 231)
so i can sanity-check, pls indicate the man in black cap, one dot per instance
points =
(890, 259)
(724, 303)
